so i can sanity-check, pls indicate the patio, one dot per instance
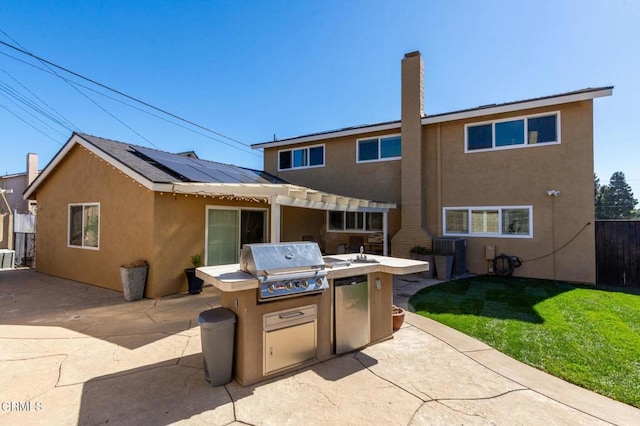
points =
(78, 354)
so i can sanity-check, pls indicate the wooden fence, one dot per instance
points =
(618, 253)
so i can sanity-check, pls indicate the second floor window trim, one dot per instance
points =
(513, 132)
(301, 158)
(379, 148)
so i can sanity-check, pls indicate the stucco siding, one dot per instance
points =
(341, 174)
(180, 232)
(135, 223)
(125, 221)
(298, 222)
(507, 177)
(522, 176)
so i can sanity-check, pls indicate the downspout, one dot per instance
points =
(439, 212)
(385, 231)
(10, 236)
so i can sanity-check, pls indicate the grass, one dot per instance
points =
(589, 336)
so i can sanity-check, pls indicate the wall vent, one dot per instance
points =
(7, 259)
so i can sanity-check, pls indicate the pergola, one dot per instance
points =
(278, 195)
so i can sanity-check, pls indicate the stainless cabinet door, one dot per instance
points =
(289, 346)
(351, 317)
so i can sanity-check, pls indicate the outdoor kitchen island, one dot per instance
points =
(295, 322)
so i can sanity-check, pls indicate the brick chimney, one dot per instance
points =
(412, 231)
(32, 167)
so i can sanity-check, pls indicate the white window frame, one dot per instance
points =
(526, 143)
(352, 230)
(306, 148)
(498, 234)
(83, 205)
(379, 138)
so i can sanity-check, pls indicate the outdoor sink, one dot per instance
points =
(331, 262)
(363, 260)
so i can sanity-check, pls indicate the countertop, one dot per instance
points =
(229, 278)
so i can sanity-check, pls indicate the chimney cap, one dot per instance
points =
(412, 54)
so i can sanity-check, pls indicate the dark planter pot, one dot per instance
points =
(425, 258)
(195, 283)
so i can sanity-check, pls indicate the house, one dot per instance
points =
(513, 178)
(103, 203)
(11, 188)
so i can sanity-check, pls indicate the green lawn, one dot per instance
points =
(589, 336)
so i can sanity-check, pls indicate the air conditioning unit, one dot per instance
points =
(456, 247)
(7, 259)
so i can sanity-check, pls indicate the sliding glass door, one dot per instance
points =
(228, 229)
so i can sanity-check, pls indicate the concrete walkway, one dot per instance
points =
(76, 354)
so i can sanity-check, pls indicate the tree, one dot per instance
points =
(598, 192)
(614, 201)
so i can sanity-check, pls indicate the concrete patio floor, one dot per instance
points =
(77, 354)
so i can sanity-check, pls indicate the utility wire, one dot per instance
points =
(159, 117)
(121, 93)
(60, 116)
(9, 92)
(208, 136)
(49, 71)
(561, 247)
(47, 63)
(40, 123)
(29, 124)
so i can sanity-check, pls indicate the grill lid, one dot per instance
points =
(280, 258)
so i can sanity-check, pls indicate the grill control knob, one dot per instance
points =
(288, 285)
(271, 288)
(297, 284)
(305, 284)
(319, 282)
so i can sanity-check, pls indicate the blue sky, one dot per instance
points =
(254, 69)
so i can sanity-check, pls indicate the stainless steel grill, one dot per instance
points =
(285, 269)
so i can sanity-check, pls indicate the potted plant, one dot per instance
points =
(134, 277)
(398, 317)
(425, 255)
(195, 283)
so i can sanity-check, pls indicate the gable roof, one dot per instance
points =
(164, 167)
(152, 167)
(484, 110)
(166, 172)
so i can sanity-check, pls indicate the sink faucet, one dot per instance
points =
(362, 255)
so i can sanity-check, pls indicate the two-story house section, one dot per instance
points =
(515, 177)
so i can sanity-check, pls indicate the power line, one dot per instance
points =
(121, 93)
(46, 64)
(62, 117)
(17, 98)
(29, 124)
(248, 151)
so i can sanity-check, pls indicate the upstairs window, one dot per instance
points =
(512, 133)
(311, 156)
(379, 149)
(84, 225)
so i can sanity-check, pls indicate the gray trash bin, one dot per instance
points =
(217, 329)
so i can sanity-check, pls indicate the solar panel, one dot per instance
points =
(196, 170)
